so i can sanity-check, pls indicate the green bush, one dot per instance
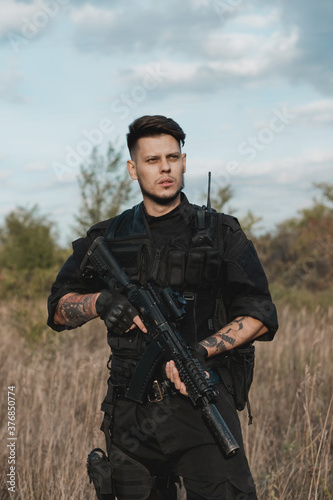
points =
(299, 255)
(26, 284)
(27, 241)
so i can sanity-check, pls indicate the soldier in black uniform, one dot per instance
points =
(208, 259)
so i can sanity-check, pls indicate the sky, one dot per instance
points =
(249, 81)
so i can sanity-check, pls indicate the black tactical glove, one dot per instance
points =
(116, 311)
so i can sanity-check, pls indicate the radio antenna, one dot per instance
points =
(209, 206)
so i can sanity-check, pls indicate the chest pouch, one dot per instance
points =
(195, 267)
(130, 255)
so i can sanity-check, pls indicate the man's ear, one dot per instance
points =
(131, 167)
(184, 162)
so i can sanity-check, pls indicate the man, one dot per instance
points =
(207, 258)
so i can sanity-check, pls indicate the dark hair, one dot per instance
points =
(150, 125)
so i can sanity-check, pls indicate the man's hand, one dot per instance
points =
(75, 309)
(200, 353)
(173, 375)
(118, 313)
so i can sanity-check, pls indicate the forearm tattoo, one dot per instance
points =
(226, 338)
(75, 309)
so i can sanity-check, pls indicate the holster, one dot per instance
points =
(98, 464)
(99, 471)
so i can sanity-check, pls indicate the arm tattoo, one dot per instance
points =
(221, 341)
(76, 309)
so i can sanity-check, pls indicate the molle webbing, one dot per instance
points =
(189, 260)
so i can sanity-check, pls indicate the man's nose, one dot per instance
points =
(165, 166)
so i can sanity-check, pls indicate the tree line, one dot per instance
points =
(297, 254)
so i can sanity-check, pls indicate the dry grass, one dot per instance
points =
(290, 444)
(61, 380)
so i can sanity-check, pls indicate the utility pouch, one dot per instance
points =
(99, 471)
(132, 480)
(241, 367)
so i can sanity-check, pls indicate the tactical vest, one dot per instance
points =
(191, 263)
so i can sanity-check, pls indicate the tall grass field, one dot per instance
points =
(60, 381)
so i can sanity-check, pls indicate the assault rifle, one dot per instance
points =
(159, 311)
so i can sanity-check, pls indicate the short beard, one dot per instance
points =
(163, 201)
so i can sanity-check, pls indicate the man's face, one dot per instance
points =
(158, 165)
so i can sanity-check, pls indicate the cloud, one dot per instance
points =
(253, 43)
(274, 189)
(314, 62)
(303, 169)
(189, 43)
(178, 30)
(257, 20)
(36, 167)
(10, 81)
(93, 18)
(4, 175)
(245, 60)
(313, 114)
(316, 113)
(24, 21)
(13, 15)
(150, 27)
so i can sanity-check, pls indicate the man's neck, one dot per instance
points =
(157, 210)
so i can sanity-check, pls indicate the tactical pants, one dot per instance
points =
(169, 437)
